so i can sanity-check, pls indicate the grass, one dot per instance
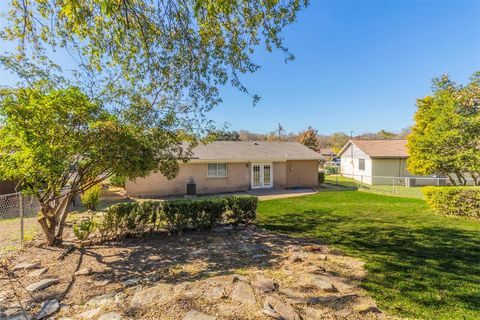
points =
(399, 191)
(419, 265)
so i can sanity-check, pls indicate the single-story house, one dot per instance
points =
(231, 166)
(377, 162)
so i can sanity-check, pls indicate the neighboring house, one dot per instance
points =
(377, 162)
(229, 166)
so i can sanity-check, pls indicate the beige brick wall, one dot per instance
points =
(238, 179)
(302, 173)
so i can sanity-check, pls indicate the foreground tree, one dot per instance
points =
(445, 139)
(155, 65)
(57, 143)
(309, 138)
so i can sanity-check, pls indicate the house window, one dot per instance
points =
(217, 170)
(361, 164)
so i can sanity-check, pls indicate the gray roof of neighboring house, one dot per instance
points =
(253, 151)
(391, 148)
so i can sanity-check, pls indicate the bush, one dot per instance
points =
(242, 209)
(176, 215)
(321, 178)
(198, 214)
(91, 198)
(460, 201)
(84, 228)
(117, 181)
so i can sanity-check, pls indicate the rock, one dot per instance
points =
(102, 300)
(120, 299)
(48, 308)
(83, 272)
(366, 308)
(324, 285)
(314, 314)
(110, 316)
(197, 315)
(18, 316)
(215, 292)
(131, 282)
(90, 314)
(26, 266)
(101, 283)
(37, 273)
(278, 309)
(263, 284)
(243, 293)
(292, 295)
(42, 284)
(152, 295)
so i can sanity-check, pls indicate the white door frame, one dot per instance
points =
(262, 185)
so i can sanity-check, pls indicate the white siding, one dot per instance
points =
(350, 168)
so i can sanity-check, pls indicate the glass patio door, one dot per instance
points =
(261, 175)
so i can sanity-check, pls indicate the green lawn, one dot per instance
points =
(398, 190)
(420, 265)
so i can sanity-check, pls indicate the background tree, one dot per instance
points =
(445, 139)
(222, 135)
(309, 138)
(57, 143)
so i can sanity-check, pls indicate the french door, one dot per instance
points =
(262, 175)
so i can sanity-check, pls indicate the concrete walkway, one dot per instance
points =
(268, 194)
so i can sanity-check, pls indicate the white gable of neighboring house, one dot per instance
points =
(356, 164)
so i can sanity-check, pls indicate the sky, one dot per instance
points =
(360, 66)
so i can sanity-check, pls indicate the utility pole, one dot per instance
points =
(280, 128)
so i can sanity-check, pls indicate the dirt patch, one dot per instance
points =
(230, 273)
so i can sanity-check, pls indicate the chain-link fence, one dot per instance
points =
(18, 221)
(409, 187)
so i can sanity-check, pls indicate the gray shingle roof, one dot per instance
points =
(253, 151)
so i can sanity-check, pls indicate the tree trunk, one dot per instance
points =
(52, 219)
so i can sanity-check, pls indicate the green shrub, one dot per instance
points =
(321, 178)
(197, 214)
(461, 201)
(116, 219)
(117, 181)
(177, 214)
(84, 228)
(242, 209)
(91, 198)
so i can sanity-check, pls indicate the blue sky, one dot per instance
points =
(359, 66)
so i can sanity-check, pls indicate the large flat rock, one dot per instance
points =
(42, 284)
(243, 293)
(152, 295)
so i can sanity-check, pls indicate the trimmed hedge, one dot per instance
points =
(460, 201)
(242, 209)
(176, 215)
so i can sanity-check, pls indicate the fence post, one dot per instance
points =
(20, 202)
(393, 188)
(361, 182)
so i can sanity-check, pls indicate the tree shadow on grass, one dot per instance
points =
(422, 266)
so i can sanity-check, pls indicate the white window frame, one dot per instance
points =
(262, 185)
(216, 170)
